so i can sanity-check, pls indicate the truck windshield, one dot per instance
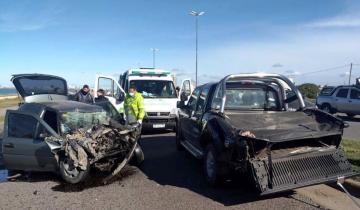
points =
(251, 99)
(72, 121)
(155, 88)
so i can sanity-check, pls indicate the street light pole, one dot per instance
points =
(351, 65)
(154, 50)
(196, 15)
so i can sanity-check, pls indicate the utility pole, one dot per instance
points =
(154, 50)
(351, 65)
(196, 15)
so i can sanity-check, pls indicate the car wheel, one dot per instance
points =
(350, 115)
(178, 139)
(327, 108)
(70, 173)
(211, 166)
(138, 157)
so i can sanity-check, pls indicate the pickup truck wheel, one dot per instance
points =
(211, 167)
(178, 139)
(327, 108)
(70, 173)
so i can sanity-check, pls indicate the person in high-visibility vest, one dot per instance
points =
(134, 106)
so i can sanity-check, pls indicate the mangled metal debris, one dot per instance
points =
(103, 147)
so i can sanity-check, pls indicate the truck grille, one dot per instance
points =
(301, 170)
(156, 114)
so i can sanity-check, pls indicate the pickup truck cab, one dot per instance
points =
(243, 125)
(158, 89)
(343, 99)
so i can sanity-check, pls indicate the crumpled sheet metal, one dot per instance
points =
(88, 147)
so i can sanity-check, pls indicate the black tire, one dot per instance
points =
(211, 166)
(70, 174)
(350, 115)
(138, 156)
(327, 108)
(178, 139)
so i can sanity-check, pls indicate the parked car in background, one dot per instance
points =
(342, 99)
(243, 125)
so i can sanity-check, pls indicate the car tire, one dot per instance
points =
(178, 139)
(350, 115)
(138, 157)
(70, 174)
(211, 166)
(327, 108)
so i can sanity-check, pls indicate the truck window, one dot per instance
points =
(202, 100)
(21, 126)
(107, 85)
(193, 99)
(354, 94)
(155, 88)
(342, 93)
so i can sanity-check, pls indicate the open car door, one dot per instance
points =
(186, 90)
(113, 91)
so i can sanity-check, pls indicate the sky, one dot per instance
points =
(310, 41)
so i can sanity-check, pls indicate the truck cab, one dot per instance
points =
(158, 89)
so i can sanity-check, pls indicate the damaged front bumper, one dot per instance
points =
(295, 171)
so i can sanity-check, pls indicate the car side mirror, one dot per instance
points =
(120, 97)
(43, 135)
(180, 104)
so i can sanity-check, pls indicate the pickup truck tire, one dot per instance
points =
(211, 166)
(71, 174)
(327, 108)
(178, 139)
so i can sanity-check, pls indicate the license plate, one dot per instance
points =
(158, 125)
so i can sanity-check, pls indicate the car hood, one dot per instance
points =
(160, 104)
(285, 126)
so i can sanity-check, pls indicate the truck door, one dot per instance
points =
(113, 91)
(23, 148)
(185, 90)
(354, 101)
(195, 122)
(341, 100)
(187, 120)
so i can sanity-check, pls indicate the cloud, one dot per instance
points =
(277, 65)
(27, 17)
(337, 22)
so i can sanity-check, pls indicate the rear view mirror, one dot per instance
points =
(180, 104)
(120, 97)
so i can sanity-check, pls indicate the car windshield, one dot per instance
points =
(155, 88)
(72, 121)
(251, 99)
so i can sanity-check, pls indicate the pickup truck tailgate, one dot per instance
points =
(276, 175)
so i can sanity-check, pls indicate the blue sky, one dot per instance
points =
(77, 39)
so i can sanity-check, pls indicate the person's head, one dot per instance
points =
(132, 90)
(86, 89)
(100, 92)
(177, 88)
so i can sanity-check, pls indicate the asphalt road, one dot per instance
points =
(168, 179)
(353, 131)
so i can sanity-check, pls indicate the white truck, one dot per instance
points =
(158, 89)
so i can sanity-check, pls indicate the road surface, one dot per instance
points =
(168, 179)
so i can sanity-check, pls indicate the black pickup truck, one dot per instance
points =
(243, 125)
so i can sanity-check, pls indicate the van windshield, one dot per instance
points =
(155, 88)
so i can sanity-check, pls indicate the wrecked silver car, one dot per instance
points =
(50, 133)
(258, 125)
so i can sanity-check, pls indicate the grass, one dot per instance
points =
(352, 150)
(4, 103)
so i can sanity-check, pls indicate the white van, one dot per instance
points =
(158, 89)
